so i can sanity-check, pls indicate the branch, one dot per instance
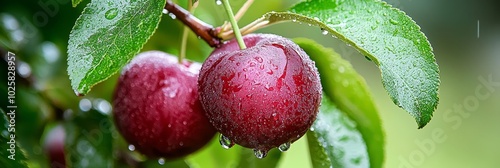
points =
(205, 31)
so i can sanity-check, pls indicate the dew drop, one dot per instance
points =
(394, 22)
(324, 32)
(259, 153)
(111, 14)
(225, 142)
(161, 161)
(131, 147)
(184, 123)
(172, 15)
(284, 147)
(341, 69)
(294, 20)
(218, 2)
(165, 11)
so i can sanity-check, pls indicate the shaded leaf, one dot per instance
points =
(106, 36)
(385, 35)
(348, 90)
(11, 154)
(335, 136)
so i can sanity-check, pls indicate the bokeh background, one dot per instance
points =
(465, 35)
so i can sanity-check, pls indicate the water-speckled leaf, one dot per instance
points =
(335, 136)
(387, 36)
(106, 36)
(89, 141)
(8, 159)
(75, 3)
(348, 90)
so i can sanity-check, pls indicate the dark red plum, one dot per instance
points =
(265, 96)
(156, 106)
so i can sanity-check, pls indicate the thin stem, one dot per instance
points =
(200, 28)
(234, 24)
(182, 54)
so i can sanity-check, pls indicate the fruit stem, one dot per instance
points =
(234, 24)
(205, 31)
(191, 7)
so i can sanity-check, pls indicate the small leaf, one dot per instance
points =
(389, 38)
(248, 159)
(348, 90)
(336, 137)
(75, 2)
(89, 141)
(11, 155)
(106, 36)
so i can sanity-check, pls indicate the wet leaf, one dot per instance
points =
(107, 35)
(385, 35)
(348, 91)
(335, 141)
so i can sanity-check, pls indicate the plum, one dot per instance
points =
(262, 97)
(156, 106)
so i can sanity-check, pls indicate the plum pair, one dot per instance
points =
(262, 97)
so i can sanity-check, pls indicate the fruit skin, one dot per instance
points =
(263, 96)
(156, 106)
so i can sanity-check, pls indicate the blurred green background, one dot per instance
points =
(465, 35)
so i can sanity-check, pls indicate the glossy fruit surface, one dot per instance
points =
(156, 106)
(261, 97)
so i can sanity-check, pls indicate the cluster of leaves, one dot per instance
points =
(348, 131)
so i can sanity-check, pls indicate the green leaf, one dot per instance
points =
(106, 36)
(248, 159)
(7, 158)
(75, 2)
(89, 140)
(348, 90)
(388, 37)
(334, 141)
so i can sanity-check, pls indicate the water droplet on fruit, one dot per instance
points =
(252, 64)
(284, 147)
(324, 32)
(275, 117)
(259, 153)
(161, 161)
(259, 59)
(181, 143)
(218, 2)
(169, 125)
(131, 147)
(111, 14)
(225, 142)
(172, 15)
(184, 123)
(165, 11)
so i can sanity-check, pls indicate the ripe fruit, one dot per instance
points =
(156, 106)
(262, 97)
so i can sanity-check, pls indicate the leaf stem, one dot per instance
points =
(205, 31)
(234, 24)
